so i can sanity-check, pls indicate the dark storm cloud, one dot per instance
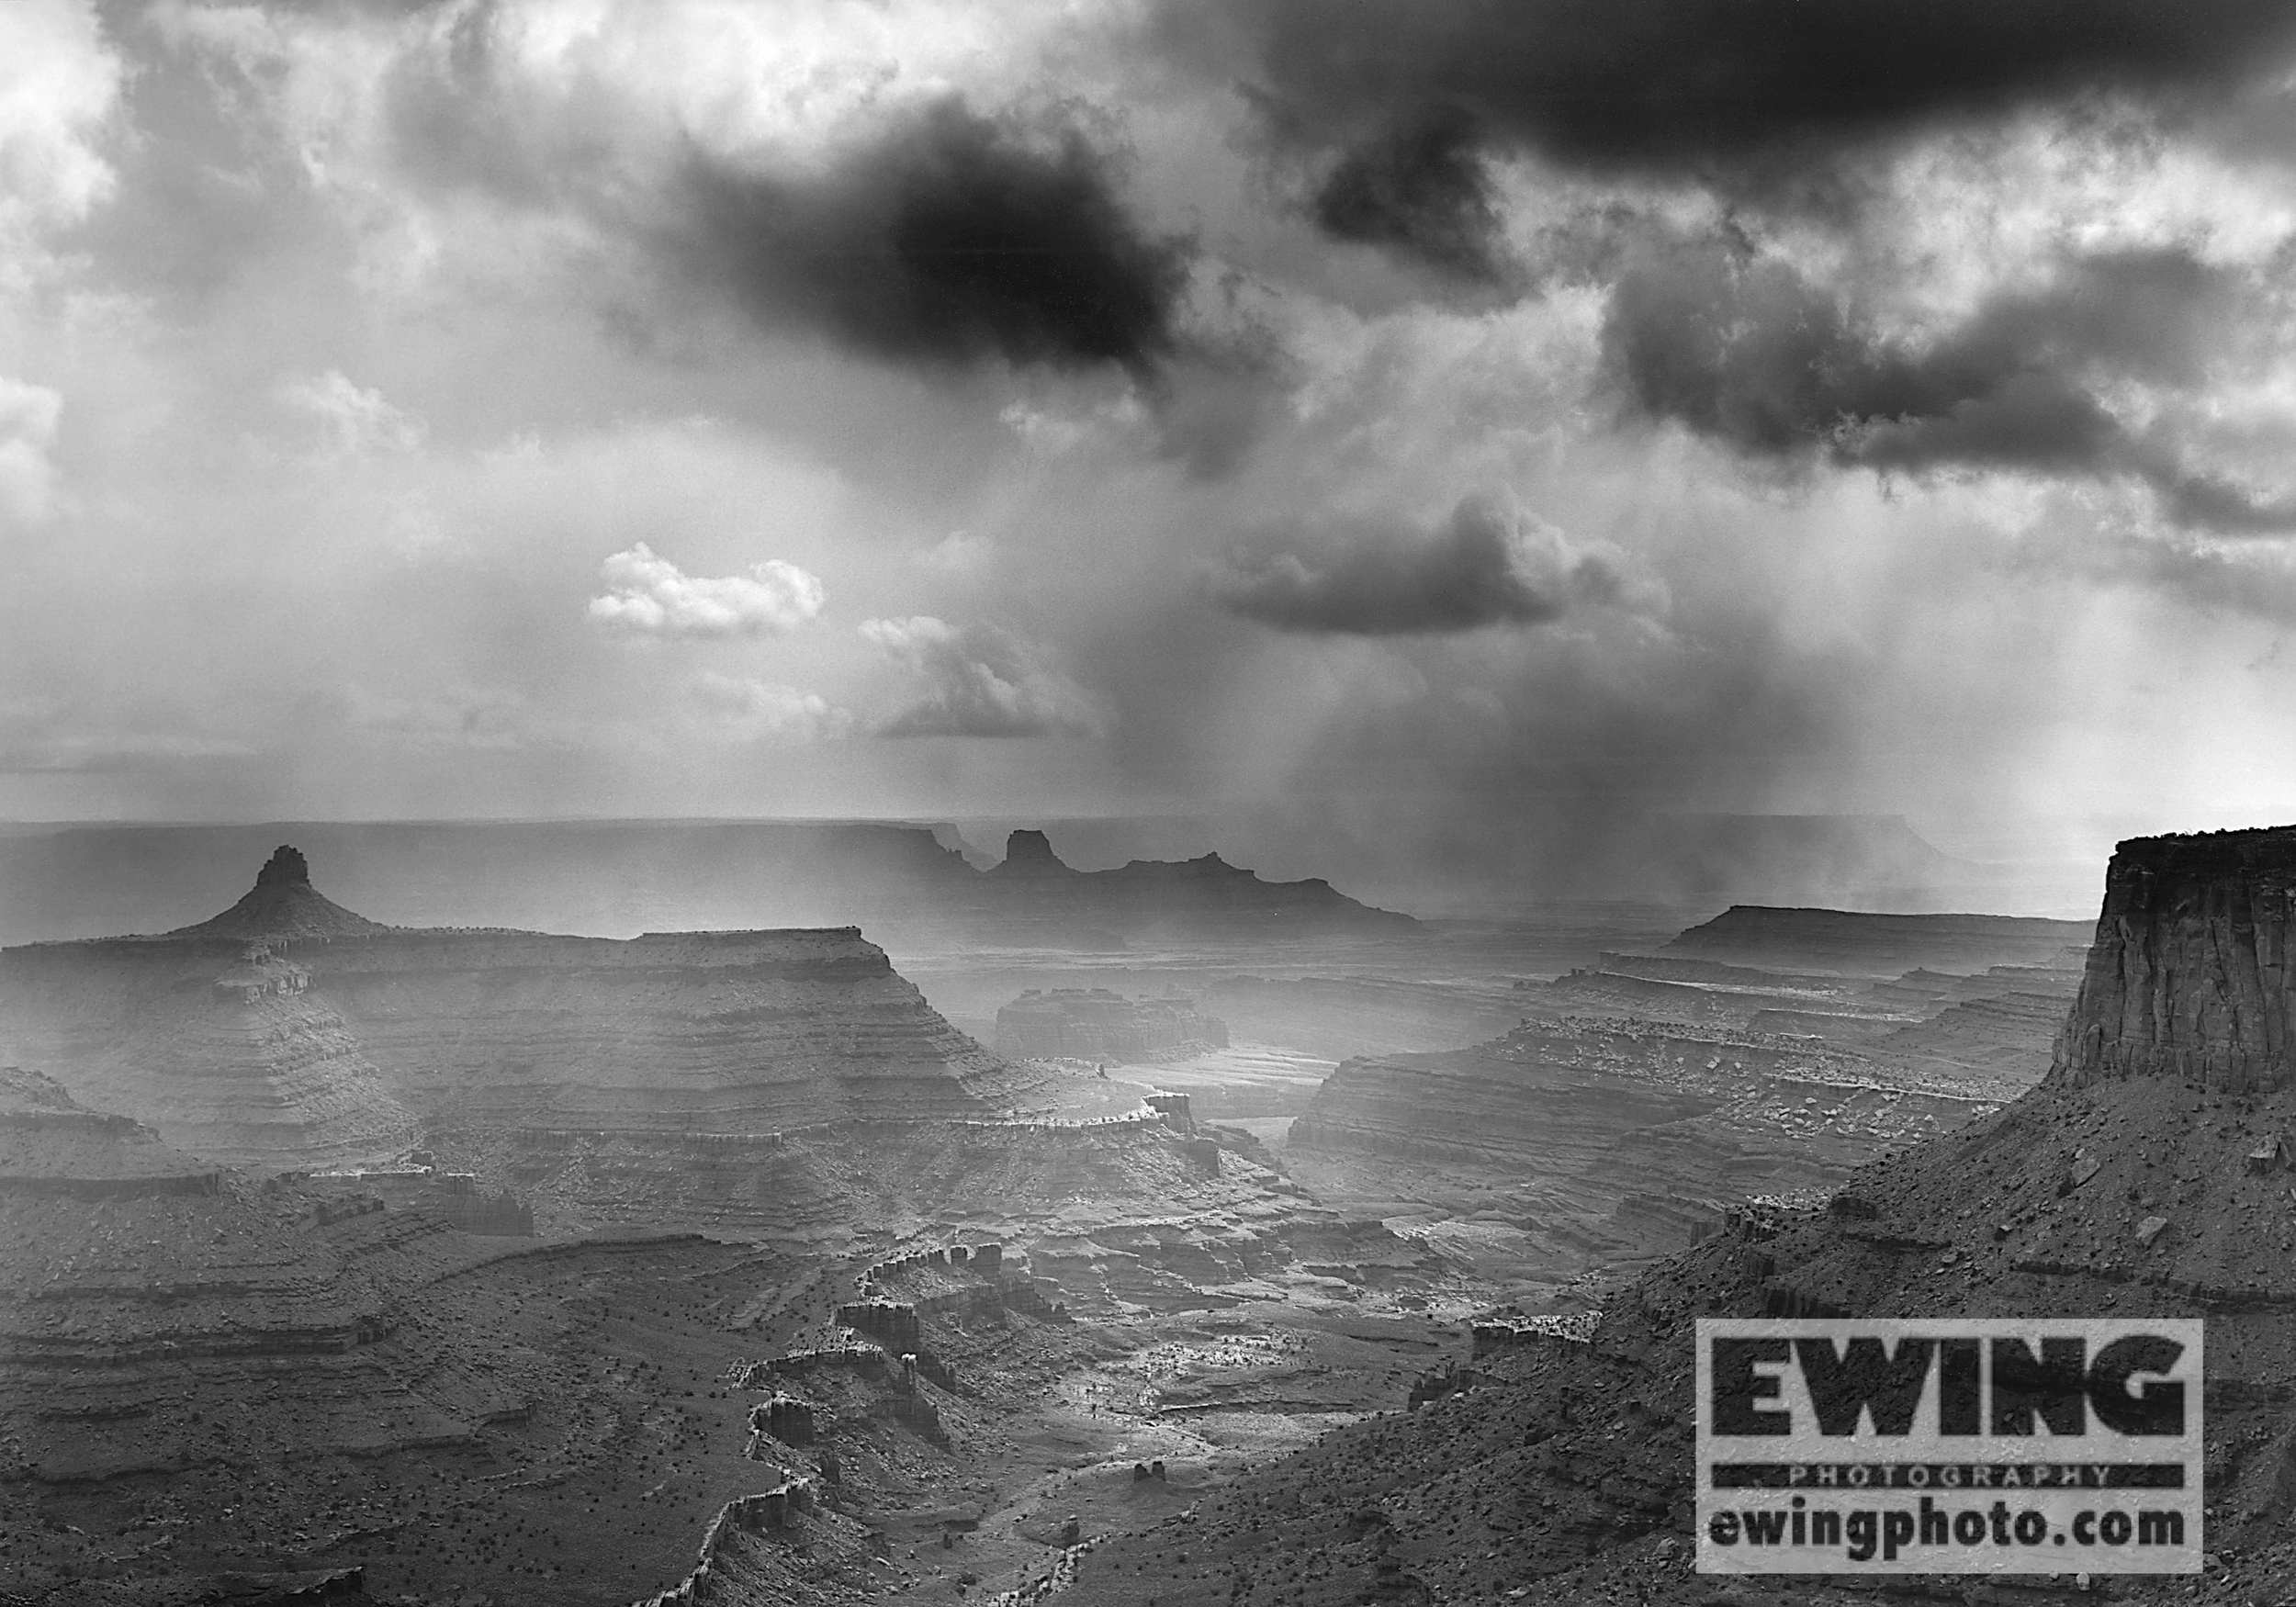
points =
(956, 237)
(1405, 96)
(947, 235)
(1748, 351)
(1489, 563)
(1421, 189)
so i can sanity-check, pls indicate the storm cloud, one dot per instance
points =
(1403, 98)
(1749, 352)
(1491, 563)
(952, 238)
(1422, 189)
(1911, 385)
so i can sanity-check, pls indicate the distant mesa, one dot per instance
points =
(1203, 897)
(910, 884)
(284, 903)
(1858, 943)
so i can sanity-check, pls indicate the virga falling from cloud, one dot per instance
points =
(1840, 348)
(1491, 563)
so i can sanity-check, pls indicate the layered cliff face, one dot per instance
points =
(214, 1389)
(291, 1032)
(723, 1032)
(221, 1043)
(1601, 1138)
(2189, 976)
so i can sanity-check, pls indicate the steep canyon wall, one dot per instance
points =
(2189, 976)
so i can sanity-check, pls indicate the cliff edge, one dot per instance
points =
(2189, 975)
(2149, 1175)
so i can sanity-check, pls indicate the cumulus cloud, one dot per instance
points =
(951, 237)
(651, 596)
(59, 81)
(767, 712)
(981, 680)
(29, 415)
(1746, 349)
(1491, 563)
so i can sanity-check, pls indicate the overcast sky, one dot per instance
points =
(1416, 422)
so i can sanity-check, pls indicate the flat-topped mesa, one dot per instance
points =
(290, 1033)
(2189, 976)
(283, 903)
(1030, 854)
(1205, 894)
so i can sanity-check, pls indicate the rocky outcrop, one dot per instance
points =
(458, 1196)
(2189, 976)
(892, 1323)
(1095, 1023)
(283, 903)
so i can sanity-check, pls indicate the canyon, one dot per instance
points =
(2145, 1173)
(488, 1264)
(1096, 1023)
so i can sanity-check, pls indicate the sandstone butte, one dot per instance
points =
(289, 1031)
(1562, 1478)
